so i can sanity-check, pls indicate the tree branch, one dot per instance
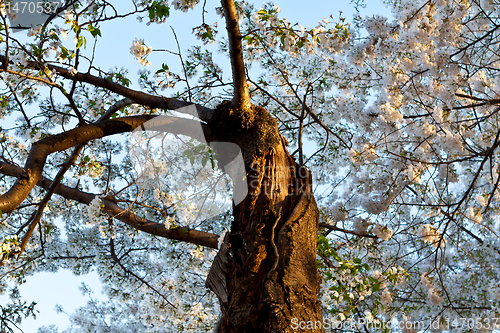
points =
(241, 98)
(332, 227)
(40, 150)
(144, 99)
(140, 279)
(37, 215)
(139, 97)
(65, 167)
(158, 229)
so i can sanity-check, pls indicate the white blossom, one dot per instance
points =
(141, 51)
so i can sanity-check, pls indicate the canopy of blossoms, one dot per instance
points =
(397, 119)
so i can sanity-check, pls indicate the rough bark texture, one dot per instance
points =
(265, 273)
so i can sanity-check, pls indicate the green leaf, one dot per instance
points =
(64, 52)
(82, 41)
(199, 149)
(164, 68)
(76, 28)
(94, 31)
(158, 11)
(212, 161)
(249, 39)
(36, 50)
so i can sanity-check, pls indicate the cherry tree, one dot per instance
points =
(368, 148)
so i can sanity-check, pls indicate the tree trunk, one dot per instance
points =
(265, 273)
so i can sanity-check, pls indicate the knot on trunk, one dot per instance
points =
(252, 129)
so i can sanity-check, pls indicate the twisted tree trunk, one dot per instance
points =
(265, 274)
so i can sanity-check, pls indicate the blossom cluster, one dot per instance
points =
(141, 51)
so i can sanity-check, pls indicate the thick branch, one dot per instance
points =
(241, 98)
(41, 206)
(115, 107)
(41, 149)
(139, 97)
(158, 229)
(65, 167)
(144, 99)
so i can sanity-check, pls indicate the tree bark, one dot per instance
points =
(265, 273)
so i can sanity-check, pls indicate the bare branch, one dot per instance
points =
(334, 228)
(241, 98)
